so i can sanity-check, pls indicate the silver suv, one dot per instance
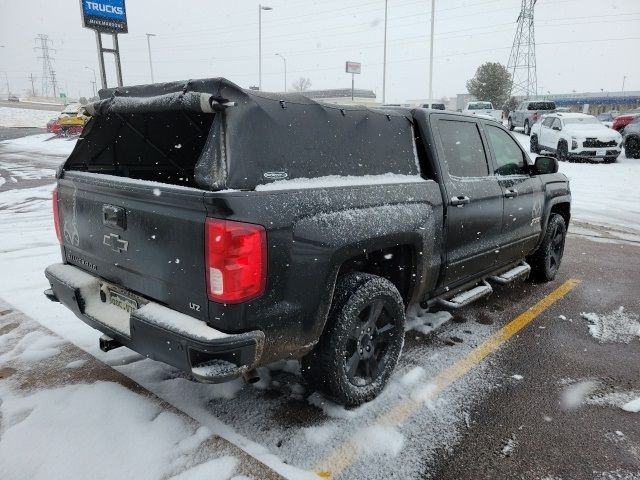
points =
(528, 113)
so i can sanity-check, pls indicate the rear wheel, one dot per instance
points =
(546, 260)
(510, 124)
(533, 144)
(632, 148)
(527, 128)
(563, 151)
(362, 340)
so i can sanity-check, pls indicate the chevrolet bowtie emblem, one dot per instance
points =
(116, 243)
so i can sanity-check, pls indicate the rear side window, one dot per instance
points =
(547, 121)
(509, 157)
(464, 153)
(542, 106)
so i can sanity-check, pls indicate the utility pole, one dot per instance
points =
(260, 9)
(433, 16)
(384, 57)
(522, 59)
(149, 35)
(33, 87)
(48, 73)
(623, 80)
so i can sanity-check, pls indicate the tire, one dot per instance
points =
(562, 153)
(527, 128)
(510, 124)
(546, 260)
(350, 363)
(632, 148)
(533, 144)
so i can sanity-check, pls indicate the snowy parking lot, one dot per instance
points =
(466, 392)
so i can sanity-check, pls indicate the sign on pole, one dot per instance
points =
(353, 67)
(107, 16)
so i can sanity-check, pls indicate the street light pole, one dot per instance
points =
(285, 71)
(384, 58)
(260, 8)
(95, 81)
(433, 14)
(623, 80)
(149, 35)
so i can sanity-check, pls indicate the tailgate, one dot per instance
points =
(143, 236)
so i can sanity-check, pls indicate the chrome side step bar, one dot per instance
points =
(463, 299)
(509, 276)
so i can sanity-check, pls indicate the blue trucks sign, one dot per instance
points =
(108, 16)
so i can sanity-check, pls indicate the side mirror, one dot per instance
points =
(556, 128)
(545, 165)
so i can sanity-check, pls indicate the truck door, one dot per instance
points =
(473, 199)
(523, 196)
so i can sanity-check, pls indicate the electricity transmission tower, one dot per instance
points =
(522, 59)
(48, 73)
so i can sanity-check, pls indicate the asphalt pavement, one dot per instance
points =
(8, 133)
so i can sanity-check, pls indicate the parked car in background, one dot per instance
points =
(72, 119)
(53, 126)
(621, 121)
(575, 136)
(528, 113)
(482, 108)
(13, 98)
(607, 118)
(632, 138)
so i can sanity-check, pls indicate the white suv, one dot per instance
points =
(575, 136)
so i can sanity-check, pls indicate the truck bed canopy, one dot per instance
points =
(215, 135)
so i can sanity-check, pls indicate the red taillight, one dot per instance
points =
(56, 214)
(236, 260)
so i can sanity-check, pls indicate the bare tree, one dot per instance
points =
(301, 85)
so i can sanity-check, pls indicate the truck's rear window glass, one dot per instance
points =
(464, 153)
(541, 106)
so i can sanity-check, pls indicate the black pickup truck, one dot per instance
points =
(218, 229)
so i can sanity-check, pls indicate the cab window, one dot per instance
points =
(556, 124)
(464, 153)
(509, 158)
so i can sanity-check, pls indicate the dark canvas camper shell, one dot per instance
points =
(213, 135)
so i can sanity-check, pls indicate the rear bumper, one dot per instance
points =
(156, 331)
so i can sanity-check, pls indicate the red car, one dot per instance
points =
(623, 120)
(53, 126)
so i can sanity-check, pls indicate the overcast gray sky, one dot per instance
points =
(583, 45)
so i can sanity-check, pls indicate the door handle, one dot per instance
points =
(510, 193)
(459, 201)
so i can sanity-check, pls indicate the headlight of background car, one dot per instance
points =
(574, 143)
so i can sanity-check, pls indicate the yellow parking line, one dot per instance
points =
(347, 453)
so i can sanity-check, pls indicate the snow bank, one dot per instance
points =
(602, 194)
(46, 144)
(632, 406)
(98, 431)
(25, 117)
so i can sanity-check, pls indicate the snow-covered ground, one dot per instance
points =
(25, 117)
(603, 194)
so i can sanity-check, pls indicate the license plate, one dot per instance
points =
(601, 153)
(119, 300)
